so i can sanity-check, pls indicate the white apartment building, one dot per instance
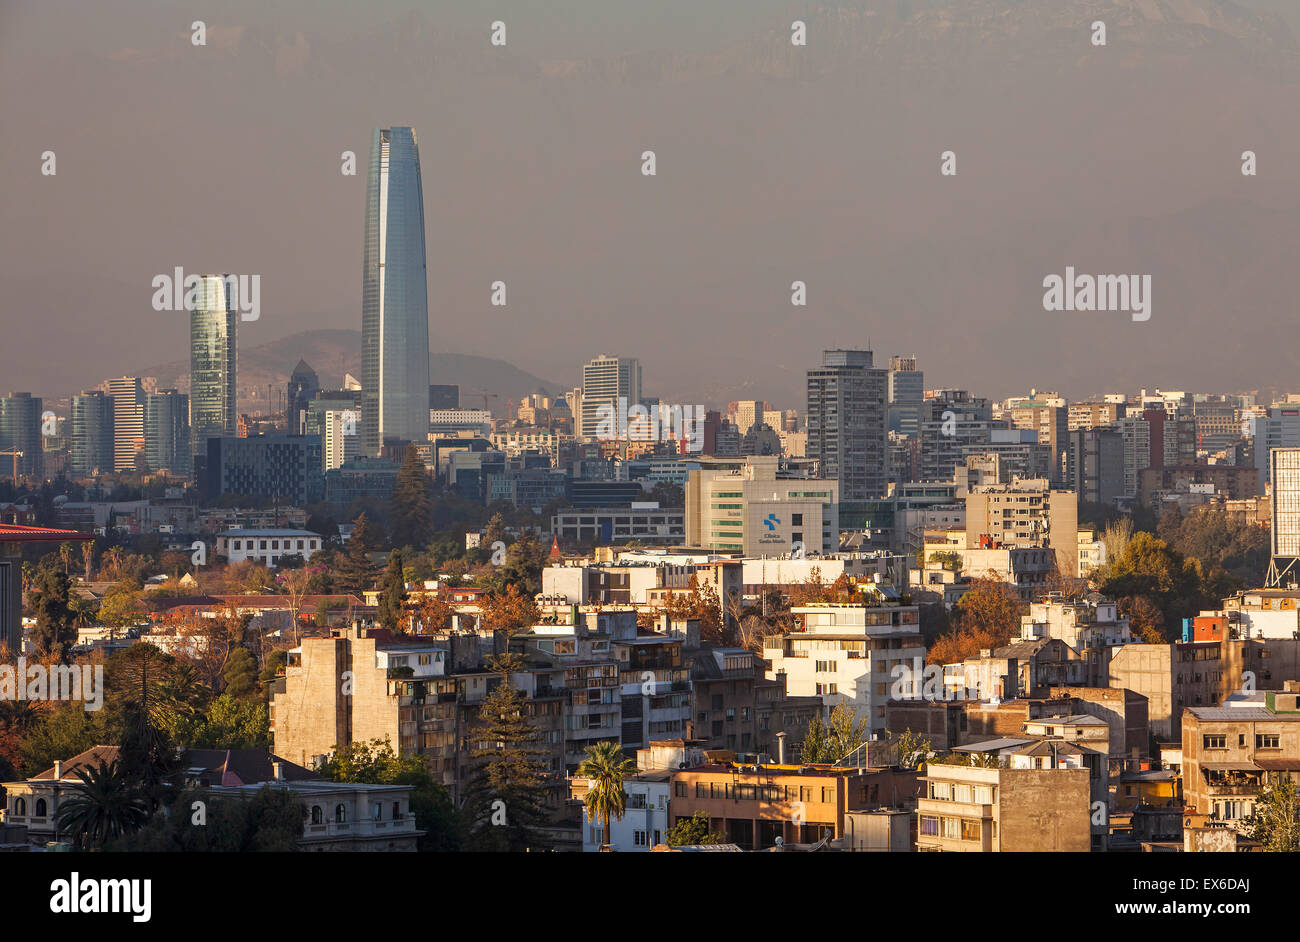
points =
(646, 821)
(846, 654)
(1089, 623)
(267, 546)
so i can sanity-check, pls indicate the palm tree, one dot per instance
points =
(606, 767)
(102, 808)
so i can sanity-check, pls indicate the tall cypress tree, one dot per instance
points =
(505, 799)
(412, 507)
(356, 572)
(392, 594)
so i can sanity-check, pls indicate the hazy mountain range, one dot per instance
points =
(775, 163)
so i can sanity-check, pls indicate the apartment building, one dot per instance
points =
(1189, 674)
(361, 684)
(846, 653)
(736, 708)
(1025, 513)
(1232, 754)
(1035, 806)
(759, 806)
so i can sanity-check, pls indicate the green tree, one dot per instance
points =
(240, 674)
(392, 593)
(104, 806)
(1275, 822)
(271, 820)
(505, 798)
(912, 749)
(49, 596)
(606, 767)
(62, 731)
(412, 506)
(693, 831)
(356, 573)
(829, 742)
(376, 763)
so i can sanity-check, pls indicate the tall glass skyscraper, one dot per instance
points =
(90, 446)
(20, 430)
(212, 363)
(167, 431)
(394, 296)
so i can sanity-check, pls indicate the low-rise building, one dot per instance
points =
(970, 808)
(1231, 754)
(759, 806)
(846, 653)
(267, 546)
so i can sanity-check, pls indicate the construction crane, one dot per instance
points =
(17, 455)
(486, 396)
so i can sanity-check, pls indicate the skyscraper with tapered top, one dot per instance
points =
(394, 296)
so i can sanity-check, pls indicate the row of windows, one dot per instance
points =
(1262, 741)
(275, 544)
(739, 792)
(955, 829)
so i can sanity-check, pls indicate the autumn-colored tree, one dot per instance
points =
(1145, 619)
(700, 603)
(508, 611)
(430, 614)
(987, 616)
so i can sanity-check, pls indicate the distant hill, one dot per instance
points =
(331, 353)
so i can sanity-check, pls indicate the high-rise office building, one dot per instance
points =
(167, 431)
(1279, 427)
(394, 296)
(444, 397)
(303, 388)
(605, 381)
(846, 422)
(906, 395)
(20, 430)
(954, 423)
(1095, 465)
(90, 445)
(128, 394)
(212, 363)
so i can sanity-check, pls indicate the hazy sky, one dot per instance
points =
(775, 163)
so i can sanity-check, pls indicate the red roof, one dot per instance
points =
(13, 533)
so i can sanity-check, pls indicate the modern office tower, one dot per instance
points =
(285, 468)
(756, 509)
(335, 415)
(127, 393)
(394, 296)
(952, 423)
(444, 397)
(212, 363)
(1284, 470)
(846, 422)
(906, 395)
(605, 381)
(1095, 465)
(1278, 428)
(167, 431)
(303, 388)
(20, 430)
(90, 446)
